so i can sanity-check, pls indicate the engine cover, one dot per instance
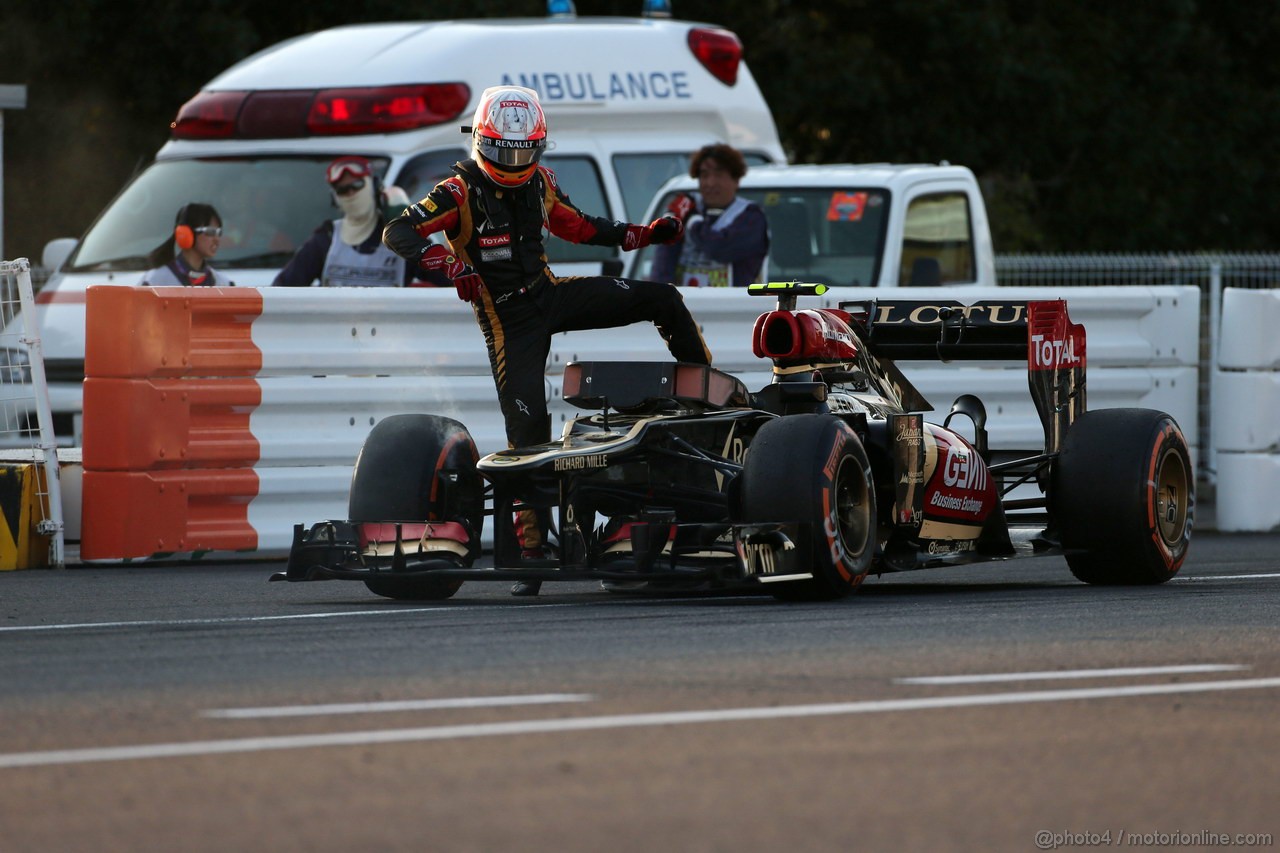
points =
(818, 336)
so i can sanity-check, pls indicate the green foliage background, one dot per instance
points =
(1148, 125)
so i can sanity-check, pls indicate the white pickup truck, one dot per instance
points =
(867, 225)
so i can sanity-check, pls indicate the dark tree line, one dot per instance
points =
(1152, 125)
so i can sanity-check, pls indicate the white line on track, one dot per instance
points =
(621, 721)
(1194, 578)
(338, 614)
(1046, 675)
(450, 608)
(400, 705)
(232, 620)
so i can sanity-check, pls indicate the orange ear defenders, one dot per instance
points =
(182, 233)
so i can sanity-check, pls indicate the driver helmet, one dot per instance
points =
(509, 134)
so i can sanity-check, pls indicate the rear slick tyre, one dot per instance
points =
(813, 468)
(397, 477)
(1122, 496)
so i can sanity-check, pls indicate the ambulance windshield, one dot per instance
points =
(269, 206)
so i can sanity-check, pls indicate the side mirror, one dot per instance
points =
(56, 252)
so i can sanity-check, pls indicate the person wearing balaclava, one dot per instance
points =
(349, 252)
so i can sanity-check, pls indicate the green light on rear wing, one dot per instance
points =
(786, 288)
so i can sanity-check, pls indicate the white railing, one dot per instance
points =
(26, 425)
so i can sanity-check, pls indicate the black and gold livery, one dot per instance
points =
(680, 476)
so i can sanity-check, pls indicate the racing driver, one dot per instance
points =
(493, 211)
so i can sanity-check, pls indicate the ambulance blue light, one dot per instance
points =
(561, 9)
(656, 9)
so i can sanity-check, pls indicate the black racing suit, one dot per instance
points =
(499, 231)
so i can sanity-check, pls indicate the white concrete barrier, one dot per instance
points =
(296, 382)
(1246, 411)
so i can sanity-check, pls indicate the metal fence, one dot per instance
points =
(1203, 270)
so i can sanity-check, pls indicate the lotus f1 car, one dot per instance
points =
(678, 476)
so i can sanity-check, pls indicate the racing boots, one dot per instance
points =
(525, 589)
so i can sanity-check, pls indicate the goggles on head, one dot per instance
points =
(356, 167)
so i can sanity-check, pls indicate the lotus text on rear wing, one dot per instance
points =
(994, 313)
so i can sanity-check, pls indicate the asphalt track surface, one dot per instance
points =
(998, 707)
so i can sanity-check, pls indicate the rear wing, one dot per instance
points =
(1038, 332)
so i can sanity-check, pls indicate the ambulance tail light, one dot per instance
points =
(386, 109)
(719, 51)
(288, 114)
(209, 115)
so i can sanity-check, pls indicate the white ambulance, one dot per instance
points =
(627, 100)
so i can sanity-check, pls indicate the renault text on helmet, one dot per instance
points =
(509, 134)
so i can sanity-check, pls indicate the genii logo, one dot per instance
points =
(961, 471)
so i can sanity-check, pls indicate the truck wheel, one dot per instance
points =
(812, 468)
(418, 468)
(1122, 496)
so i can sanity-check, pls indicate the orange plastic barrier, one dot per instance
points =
(168, 394)
(145, 424)
(157, 332)
(144, 514)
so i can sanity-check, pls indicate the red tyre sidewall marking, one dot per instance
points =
(1171, 563)
(830, 524)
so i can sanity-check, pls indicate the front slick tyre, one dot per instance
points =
(813, 468)
(1122, 495)
(397, 478)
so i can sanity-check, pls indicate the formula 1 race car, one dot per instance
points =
(680, 477)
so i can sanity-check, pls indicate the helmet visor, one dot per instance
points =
(511, 153)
